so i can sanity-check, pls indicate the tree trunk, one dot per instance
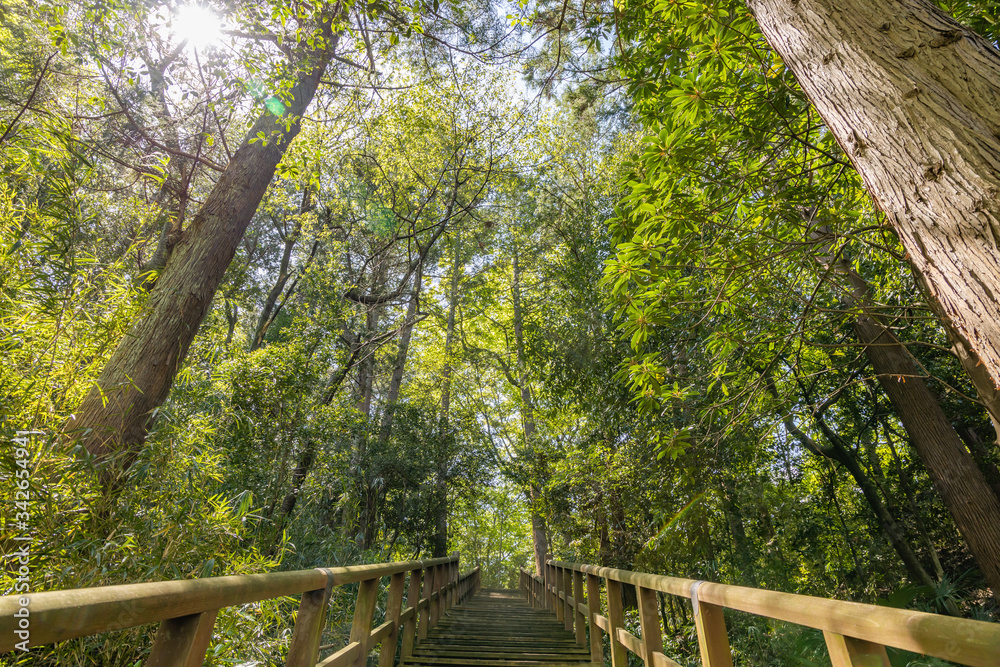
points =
(907, 487)
(539, 534)
(911, 96)
(987, 392)
(441, 518)
(837, 451)
(405, 334)
(963, 488)
(268, 313)
(115, 416)
(971, 501)
(981, 455)
(449, 339)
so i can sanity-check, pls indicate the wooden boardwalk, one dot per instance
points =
(498, 628)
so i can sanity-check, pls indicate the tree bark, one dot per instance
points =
(115, 416)
(911, 96)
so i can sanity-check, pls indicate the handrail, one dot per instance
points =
(186, 610)
(856, 634)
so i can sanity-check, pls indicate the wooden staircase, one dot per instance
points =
(498, 628)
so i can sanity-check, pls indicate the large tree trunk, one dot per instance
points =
(911, 96)
(115, 416)
(964, 490)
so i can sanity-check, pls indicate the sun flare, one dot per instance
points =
(199, 26)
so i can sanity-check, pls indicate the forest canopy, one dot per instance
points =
(704, 289)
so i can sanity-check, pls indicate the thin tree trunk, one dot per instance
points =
(449, 339)
(290, 239)
(845, 531)
(539, 533)
(115, 416)
(405, 334)
(904, 483)
(837, 451)
(911, 96)
(441, 518)
(232, 318)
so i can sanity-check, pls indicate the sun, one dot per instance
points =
(199, 26)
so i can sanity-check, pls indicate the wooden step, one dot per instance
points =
(497, 628)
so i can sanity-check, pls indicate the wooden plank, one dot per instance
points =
(660, 660)
(649, 623)
(850, 652)
(603, 623)
(616, 620)
(713, 638)
(182, 642)
(379, 633)
(629, 641)
(61, 615)
(393, 605)
(345, 657)
(594, 611)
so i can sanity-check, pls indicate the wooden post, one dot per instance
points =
(182, 642)
(412, 600)
(545, 584)
(594, 607)
(557, 588)
(567, 586)
(393, 608)
(442, 584)
(435, 585)
(578, 616)
(851, 652)
(616, 619)
(453, 582)
(309, 622)
(649, 622)
(364, 612)
(425, 612)
(713, 639)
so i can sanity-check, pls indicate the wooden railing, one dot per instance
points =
(856, 634)
(186, 610)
